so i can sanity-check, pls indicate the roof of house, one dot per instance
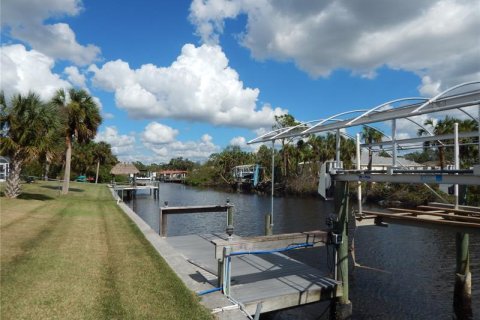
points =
(171, 171)
(124, 168)
(4, 159)
(385, 161)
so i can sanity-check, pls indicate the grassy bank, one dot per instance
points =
(80, 257)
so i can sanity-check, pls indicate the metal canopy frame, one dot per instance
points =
(439, 103)
(457, 97)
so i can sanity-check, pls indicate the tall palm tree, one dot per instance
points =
(81, 118)
(370, 135)
(27, 125)
(285, 121)
(101, 152)
(53, 151)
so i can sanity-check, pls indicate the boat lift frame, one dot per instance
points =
(457, 97)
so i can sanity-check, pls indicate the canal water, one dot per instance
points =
(405, 273)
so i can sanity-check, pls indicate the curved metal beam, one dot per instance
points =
(443, 93)
(334, 116)
(383, 105)
(469, 115)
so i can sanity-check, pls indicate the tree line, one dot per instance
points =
(47, 138)
(54, 137)
(297, 161)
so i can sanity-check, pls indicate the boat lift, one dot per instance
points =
(460, 97)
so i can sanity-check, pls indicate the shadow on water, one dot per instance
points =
(59, 188)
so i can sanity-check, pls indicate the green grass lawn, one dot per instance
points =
(80, 257)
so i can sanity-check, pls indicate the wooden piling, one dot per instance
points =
(343, 306)
(229, 214)
(268, 224)
(462, 293)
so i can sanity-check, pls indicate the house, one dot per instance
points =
(172, 175)
(126, 169)
(4, 168)
(383, 163)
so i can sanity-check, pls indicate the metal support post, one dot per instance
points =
(229, 220)
(229, 213)
(337, 148)
(343, 306)
(273, 185)
(394, 141)
(220, 269)
(227, 268)
(456, 159)
(359, 183)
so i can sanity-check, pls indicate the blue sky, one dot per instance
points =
(188, 78)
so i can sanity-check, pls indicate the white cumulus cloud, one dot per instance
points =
(434, 38)
(238, 141)
(122, 144)
(74, 76)
(198, 86)
(198, 150)
(28, 70)
(25, 21)
(156, 133)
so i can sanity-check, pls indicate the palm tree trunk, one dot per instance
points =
(47, 169)
(441, 155)
(370, 159)
(12, 190)
(68, 160)
(98, 168)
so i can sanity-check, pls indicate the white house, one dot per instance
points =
(4, 167)
(382, 163)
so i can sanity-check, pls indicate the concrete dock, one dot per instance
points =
(261, 283)
(274, 281)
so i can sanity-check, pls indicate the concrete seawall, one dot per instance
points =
(220, 305)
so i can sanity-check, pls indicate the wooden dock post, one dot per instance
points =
(268, 224)
(163, 222)
(229, 213)
(462, 294)
(342, 306)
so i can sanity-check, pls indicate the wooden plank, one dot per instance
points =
(195, 209)
(317, 238)
(439, 214)
(457, 211)
(452, 206)
(429, 223)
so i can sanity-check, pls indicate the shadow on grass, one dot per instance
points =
(60, 188)
(34, 196)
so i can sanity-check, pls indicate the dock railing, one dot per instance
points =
(226, 249)
(165, 211)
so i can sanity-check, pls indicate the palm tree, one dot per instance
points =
(101, 152)
(81, 118)
(370, 135)
(53, 151)
(446, 126)
(27, 126)
(441, 127)
(285, 121)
